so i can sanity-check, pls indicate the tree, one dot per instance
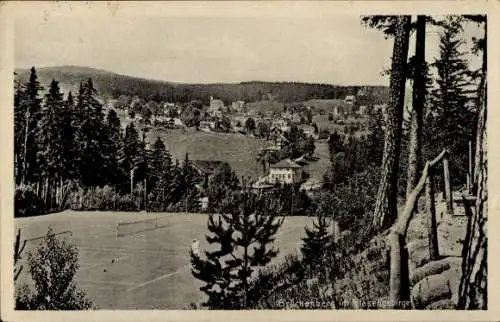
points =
(91, 136)
(335, 144)
(309, 146)
(30, 104)
(68, 137)
(52, 267)
(132, 153)
(244, 227)
(385, 212)
(114, 149)
(161, 173)
(417, 113)
(49, 138)
(250, 125)
(473, 289)
(263, 129)
(146, 113)
(317, 240)
(453, 121)
(222, 182)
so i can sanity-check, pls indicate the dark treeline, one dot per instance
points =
(114, 85)
(69, 153)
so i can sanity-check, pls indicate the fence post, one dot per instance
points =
(447, 186)
(469, 175)
(399, 274)
(431, 209)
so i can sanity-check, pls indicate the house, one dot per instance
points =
(207, 125)
(285, 171)
(238, 106)
(363, 109)
(216, 107)
(350, 99)
(262, 184)
(311, 185)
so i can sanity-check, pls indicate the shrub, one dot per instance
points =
(52, 268)
(27, 203)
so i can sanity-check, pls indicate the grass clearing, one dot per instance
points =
(238, 150)
(146, 270)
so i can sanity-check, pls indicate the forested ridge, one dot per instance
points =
(113, 85)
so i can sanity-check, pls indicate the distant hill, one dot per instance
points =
(112, 85)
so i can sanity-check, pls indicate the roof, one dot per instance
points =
(287, 163)
(207, 166)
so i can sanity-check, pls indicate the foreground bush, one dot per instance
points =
(52, 268)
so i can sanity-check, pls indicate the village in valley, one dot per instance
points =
(291, 169)
(269, 122)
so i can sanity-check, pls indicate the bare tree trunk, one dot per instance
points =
(417, 114)
(473, 291)
(385, 212)
(25, 149)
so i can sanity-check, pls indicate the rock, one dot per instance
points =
(430, 289)
(428, 269)
(444, 304)
(418, 258)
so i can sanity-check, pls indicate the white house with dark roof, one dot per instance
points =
(285, 171)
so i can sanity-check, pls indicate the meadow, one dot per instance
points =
(143, 270)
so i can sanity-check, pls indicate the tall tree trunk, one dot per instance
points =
(473, 291)
(385, 212)
(417, 115)
(482, 99)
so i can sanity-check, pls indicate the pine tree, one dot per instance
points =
(454, 118)
(113, 149)
(317, 240)
(92, 136)
(131, 152)
(385, 212)
(32, 117)
(19, 130)
(68, 138)
(219, 184)
(49, 139)
(243, 228)
(417, 114)
(161, 173)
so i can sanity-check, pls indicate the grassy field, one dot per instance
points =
(238, 150)
(151, 269)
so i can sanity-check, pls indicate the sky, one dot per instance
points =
(330, 49)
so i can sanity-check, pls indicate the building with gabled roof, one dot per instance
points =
(285, 171)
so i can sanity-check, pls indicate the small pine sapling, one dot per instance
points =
(244, 228)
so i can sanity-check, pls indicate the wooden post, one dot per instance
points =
(447, 186)
(431, 209)
(399, 274)
(469, 175)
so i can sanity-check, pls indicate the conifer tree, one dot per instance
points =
(49, 139)
(131, 151)
(92, 136)
(68, 137)
(113, 148)
(244, 227)
(453, 120)
(161, 173)
(19, 129)
(32, 117)
(219, 184)
(317, 240)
